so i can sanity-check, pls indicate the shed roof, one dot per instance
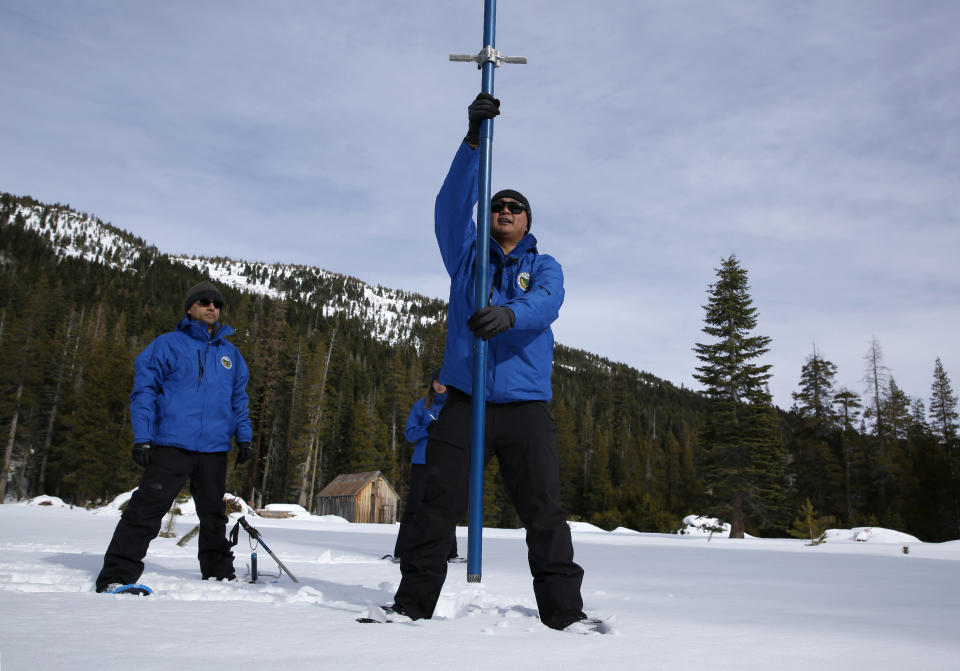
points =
(350, 484)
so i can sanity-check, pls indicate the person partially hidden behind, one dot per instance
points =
(188, 403)
(421, 420)
(526, 292)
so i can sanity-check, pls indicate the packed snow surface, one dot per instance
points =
(865, 599)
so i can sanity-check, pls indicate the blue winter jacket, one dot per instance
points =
(189, 390)
(417, 422)
(519, 360)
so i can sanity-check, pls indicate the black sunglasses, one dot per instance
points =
(515, 206)
(205, 302)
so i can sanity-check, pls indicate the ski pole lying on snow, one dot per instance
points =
(255, 535)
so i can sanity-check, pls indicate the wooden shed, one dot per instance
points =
(360, 497)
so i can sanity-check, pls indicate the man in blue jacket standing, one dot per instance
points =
(526, 292)
(189, 402)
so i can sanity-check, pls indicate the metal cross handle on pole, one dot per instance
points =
(488, 59)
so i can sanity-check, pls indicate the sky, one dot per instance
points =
(819, 142)
(673, 601)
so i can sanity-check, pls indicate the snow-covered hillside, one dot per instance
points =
(80, 235)
(675, 602)
(389, 314)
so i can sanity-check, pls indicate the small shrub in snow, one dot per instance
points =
(810, 525)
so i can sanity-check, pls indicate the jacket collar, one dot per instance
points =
(198, 330)
(527, 243)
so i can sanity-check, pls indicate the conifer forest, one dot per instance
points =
(331, 385)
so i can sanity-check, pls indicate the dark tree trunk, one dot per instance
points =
(736, 516)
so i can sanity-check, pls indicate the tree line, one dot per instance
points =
(882, 459)
(327, 397)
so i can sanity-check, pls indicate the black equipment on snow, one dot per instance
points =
(258, 539)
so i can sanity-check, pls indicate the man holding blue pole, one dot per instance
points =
(525, 295)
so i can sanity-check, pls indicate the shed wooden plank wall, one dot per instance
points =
(374, 501)
(336, 505)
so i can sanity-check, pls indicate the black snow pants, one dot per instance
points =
(169, 469)
(418, 486)
(521, 435)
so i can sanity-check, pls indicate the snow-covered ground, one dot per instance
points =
(675, 601)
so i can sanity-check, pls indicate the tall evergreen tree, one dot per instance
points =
(742, 454)
(879, 448)
(816, 469)
(814, 400)
(369, 439)
(309, 444)
(848, 408)
(896, 408)
(25, 352)
(266, 377)
(96, 457)
(943, 407)
(567, 452)
(875, 378)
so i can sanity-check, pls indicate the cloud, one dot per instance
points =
(818, 141)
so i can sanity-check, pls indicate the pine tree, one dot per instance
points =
(568, 457)
(848, 411)
(818, 473)
(814, 401)
(810, 524)
(266, 362)
(879, 452)
(686, 491)
(310, 446)
(369, 442)
(598, 491)
(943, 407)
(66, 344)
(896, 408)
(96, 458)
(742, 454)
(876, 377)
(24, 353)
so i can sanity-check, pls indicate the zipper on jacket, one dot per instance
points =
(497, 279)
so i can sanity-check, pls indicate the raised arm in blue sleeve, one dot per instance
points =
(453, 214)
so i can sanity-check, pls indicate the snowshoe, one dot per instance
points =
(383, 615)
(132, 588)
(588, 625)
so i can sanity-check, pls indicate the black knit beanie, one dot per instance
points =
(516, 195)
(198, 291)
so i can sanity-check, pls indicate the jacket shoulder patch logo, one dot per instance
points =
(226, 362)
(523, 281)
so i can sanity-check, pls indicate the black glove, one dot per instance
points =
(141, 453)
(243, 452)
(484, 106)
(491, 320)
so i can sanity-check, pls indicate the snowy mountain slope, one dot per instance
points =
(389, 314)
(79, 235)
